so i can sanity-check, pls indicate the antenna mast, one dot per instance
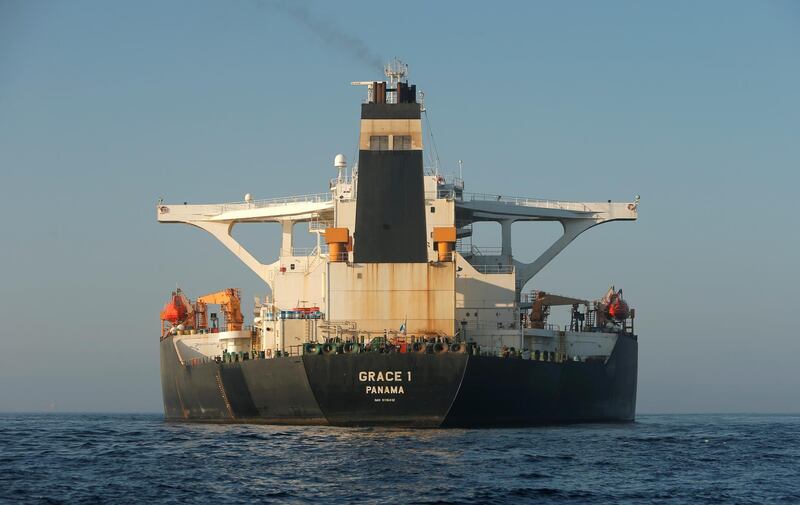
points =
(395, 71)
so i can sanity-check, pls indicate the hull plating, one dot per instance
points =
(396, 389)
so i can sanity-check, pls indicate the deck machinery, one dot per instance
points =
(395, 318)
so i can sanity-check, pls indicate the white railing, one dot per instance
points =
(346, 179)
(494, 269)
(316, 225)
(273, 202)
(527, 202)
(474, 250)
(309, 251)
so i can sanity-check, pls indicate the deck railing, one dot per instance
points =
(526, 202)
(273, 202)
(319, 224)
(309, 251)
(473, 250)
(494, 269)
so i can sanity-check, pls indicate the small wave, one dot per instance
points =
(534, 458)
(549, 492)
(534, 475)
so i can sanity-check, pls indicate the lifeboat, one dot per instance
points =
(174, 310)
(617, 308)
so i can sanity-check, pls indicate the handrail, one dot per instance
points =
(309, 251)
(450, 178)
(490, 327)
(527, 202)
(342, 256)
(270, 202)
(474, 250)
(494, 269)
(319, 224)
(346, 179)
(447, 194)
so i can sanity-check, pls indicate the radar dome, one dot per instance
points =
(248, 198)
(340, 161)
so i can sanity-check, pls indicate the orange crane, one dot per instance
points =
(229, 302)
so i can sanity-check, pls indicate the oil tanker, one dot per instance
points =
(396, 317)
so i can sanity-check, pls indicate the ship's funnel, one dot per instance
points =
(390, 208)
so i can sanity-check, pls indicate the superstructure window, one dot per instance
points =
(379, 143)
(401, 142)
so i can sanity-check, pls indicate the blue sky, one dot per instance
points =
(107, 106)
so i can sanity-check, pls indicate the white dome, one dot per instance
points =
(340, 161)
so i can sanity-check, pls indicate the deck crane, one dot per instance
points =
(229, 302)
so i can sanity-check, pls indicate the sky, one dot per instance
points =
(107, 106)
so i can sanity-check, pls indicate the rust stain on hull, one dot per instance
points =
(382, 296)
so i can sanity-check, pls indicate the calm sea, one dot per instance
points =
(91, 458)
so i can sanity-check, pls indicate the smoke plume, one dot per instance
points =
(328, 33)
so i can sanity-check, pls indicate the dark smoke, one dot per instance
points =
(329, 34)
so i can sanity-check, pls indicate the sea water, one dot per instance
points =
(116, 458)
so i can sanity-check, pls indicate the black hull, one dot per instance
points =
(420, 390)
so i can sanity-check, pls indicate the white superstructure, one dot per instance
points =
(487, 284)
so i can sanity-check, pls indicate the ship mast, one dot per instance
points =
(395, 71)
